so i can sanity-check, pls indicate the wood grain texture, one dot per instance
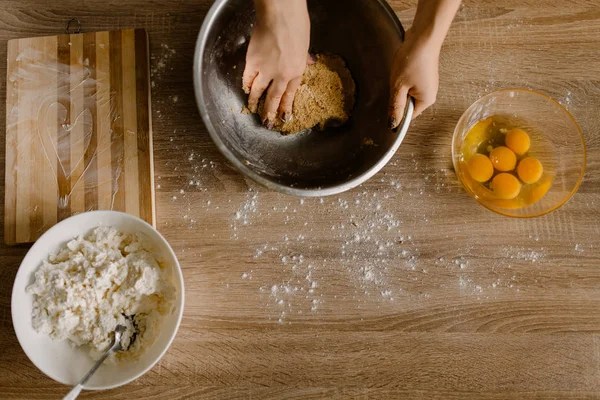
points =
(418, 291)
(74, 127)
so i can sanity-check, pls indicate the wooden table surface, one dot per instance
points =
(403, 287)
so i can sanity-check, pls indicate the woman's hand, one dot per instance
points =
(414, 73)
(277, 57)
(415, 69)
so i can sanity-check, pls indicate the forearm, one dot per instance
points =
(270, 10)
(432, 20)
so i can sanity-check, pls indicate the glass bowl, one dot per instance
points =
(556, 141)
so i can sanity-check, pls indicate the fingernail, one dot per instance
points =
(286, 117)
(267, 123)
(393, 122)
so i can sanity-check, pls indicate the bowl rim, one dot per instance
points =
(567, 113)
(268, 183)
(178, 275)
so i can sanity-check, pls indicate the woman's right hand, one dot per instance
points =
(414, 73)
(277, 57)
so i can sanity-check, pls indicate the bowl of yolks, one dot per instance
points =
(519, 153)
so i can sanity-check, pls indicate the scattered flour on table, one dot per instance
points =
(243, 215)
(522, 253)
(370, 254)
(566, 100)
(160, 63)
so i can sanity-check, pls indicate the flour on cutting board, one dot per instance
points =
(72, 130)
(48, 92)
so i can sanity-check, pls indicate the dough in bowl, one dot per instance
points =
(97, 281)
(325, 97)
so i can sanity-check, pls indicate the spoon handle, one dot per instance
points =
(72, 395)
(96, 366)
(115, 346)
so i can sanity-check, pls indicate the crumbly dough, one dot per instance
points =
(325, 96)
(96, 282)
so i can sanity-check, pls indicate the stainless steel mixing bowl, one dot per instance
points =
(366, 33)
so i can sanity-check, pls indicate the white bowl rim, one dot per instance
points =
(177, 272)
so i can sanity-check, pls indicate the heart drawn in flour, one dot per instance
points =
(69, 136)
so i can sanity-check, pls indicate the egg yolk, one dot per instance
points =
(480, 168)
(503, 158)
(518, 141)
(506, 186)
(530, 170)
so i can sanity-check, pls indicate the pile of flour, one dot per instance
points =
(98, 281)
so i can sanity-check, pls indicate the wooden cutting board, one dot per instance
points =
(78, 129)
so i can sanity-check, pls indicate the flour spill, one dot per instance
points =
(390, 247)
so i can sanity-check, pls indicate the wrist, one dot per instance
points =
(425, 35)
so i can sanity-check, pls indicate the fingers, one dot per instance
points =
(287, 101)
(280, 93)
(397, 105)
(274, 96)
(259, 85)
(250, 74)
(421, 104)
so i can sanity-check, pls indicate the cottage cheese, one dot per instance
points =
(83, 291)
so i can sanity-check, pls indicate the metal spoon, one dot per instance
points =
(114, 347)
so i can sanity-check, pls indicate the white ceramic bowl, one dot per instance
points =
(58, 359)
